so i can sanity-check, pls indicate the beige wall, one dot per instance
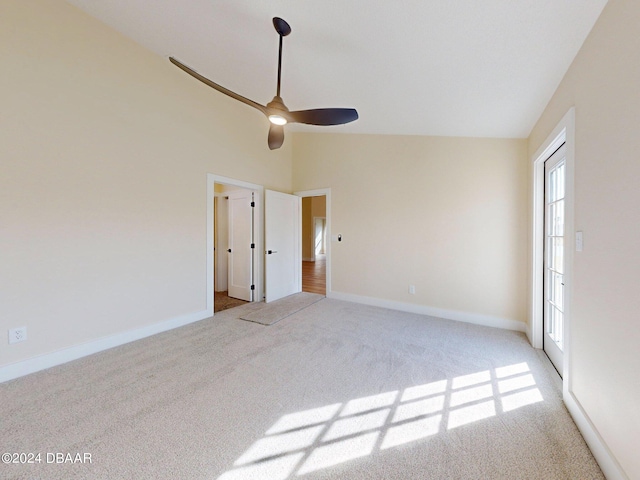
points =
(104, 152)
(603, 84)
(319, 206)
(307, 228)
(447, 215)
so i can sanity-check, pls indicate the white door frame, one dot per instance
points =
(563, 133)
(327, 194)
(258, 260)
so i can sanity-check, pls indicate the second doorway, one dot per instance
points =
(314, 244)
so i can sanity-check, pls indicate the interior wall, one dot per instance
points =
(307, 229)
(222, 242)
(105, 149)
(602, 84)
(319, 206)
(447, 215)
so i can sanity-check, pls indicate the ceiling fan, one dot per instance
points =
(276, 111)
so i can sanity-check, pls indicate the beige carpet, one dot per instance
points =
(334, 391)
(273, 312)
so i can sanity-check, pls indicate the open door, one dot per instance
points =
(240, 260)
(283, 246)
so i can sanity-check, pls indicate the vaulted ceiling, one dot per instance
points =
(481, 68)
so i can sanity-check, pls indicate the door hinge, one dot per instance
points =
(253, 245)
(253, 204)
(253, 287)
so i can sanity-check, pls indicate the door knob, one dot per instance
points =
(271, 251)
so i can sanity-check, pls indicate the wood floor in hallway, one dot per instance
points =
(314, 275)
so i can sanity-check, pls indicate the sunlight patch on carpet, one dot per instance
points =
(319, 438)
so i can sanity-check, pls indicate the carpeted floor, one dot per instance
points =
(334, 391)
(273, 312)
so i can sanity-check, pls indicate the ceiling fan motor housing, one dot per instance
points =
(277, 104)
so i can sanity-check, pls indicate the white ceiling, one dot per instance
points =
(480, 68)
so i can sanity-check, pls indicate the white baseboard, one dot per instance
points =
(475, 318)
(529, 333)
(308, 259)
(607, 462)
(48, 360)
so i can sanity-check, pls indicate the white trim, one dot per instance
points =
(474, 318)
(327, 194)
(210, 240)
(258, 258)
(607, 462)
(48, 360)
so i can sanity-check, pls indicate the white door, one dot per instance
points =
(240, 264)
(283, 245)
(554, 266)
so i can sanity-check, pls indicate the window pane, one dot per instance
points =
(559, 218)
(558, 295)
(551, 315)
(557, 260)
(553, 180)
(560, 182)
(559, 329)
(552, 219)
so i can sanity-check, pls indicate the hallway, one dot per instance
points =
(314, 275)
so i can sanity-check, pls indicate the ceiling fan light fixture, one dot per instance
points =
(276, 111)
(277, 119)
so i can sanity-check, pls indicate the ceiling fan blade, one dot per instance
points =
(324, 116)
(220, 88)
(276, 136)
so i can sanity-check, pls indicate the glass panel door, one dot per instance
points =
(554, 267)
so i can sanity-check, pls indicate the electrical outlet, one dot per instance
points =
(412, 289)
(18, 334)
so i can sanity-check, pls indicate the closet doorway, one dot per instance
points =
(233, 240)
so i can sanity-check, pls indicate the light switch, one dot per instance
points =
(579, 243)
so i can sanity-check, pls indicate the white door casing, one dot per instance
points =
(240, 254)
(283, 246)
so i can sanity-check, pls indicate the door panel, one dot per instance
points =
(283, 252)
(554, 267)
(240, 240)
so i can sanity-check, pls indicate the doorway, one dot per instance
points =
(315, 241)
(263, 279)
(234, 241)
